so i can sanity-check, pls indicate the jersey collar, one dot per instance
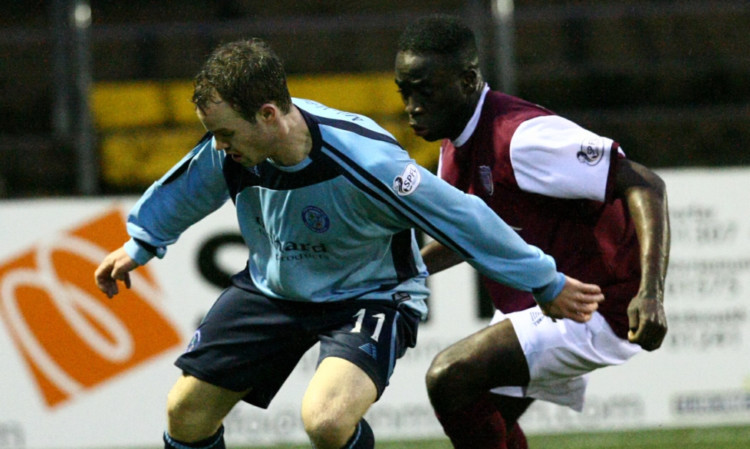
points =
(472, 125)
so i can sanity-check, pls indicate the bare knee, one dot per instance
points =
(489, 358)
(188, 419)
(443, 374)
(326, 428)
(339, 395)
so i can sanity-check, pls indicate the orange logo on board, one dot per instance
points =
(71, 336)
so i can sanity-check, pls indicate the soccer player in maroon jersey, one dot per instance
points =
(563, 188)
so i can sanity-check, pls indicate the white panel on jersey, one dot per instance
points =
(555, 157)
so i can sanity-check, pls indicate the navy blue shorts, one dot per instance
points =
(250, 341)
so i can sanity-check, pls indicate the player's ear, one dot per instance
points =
(268, 112)
(470, 80)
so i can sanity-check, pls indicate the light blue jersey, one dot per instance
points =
(338, 225)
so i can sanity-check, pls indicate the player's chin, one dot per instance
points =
(425, 133)
(432, 137)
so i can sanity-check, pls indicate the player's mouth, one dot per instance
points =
(419, 130)
(235, 156)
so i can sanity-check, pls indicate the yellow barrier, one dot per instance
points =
(146, 126)
(134, 104)
(371, 94)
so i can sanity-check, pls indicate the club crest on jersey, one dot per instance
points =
(592, 150)
(408, 181)
(315, 219)
(485, 176)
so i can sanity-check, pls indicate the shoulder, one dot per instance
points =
(512, 109)
(333, 120)
(503, 115)
(350, 136)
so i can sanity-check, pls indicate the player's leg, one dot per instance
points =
(511, 409)
(244, 349)
(515, 438)
(338, 396)
(475, 364)
(195, 411)
(357, 357)
(459, 380)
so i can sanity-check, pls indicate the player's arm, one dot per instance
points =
(437, 257)
(577, 300)
(467, 226)
(192, 189)
(646, 197)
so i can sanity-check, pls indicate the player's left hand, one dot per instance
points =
(115, 267)
(647, 321)
(577, 301)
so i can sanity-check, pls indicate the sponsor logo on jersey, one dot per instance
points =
(299, 251)
(315, 219)
(592, 150)
(69, 334)
(485, 176)
(408, 181)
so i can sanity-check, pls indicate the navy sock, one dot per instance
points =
(215, 441)
(363, 437)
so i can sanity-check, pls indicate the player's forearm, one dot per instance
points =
(649, 211)
(438, 257)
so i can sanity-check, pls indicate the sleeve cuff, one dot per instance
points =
(141, 254)
(543, 295)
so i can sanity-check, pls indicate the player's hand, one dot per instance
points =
(577, 301)
(115, 267)
(647, 321)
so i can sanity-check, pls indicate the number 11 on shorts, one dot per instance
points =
(360, 315)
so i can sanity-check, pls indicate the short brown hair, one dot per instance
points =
(246, 74)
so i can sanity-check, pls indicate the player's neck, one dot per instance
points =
(295, 139)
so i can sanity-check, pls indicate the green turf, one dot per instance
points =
(694, 438)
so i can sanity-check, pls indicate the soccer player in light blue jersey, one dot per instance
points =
(326, 202)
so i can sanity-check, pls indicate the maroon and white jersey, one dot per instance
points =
(552, 181)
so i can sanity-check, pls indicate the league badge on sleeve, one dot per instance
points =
(592, 150)
(408, 181)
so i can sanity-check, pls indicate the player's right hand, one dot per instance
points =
(115, 267)
(577, 301)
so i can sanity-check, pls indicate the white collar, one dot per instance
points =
(472, 125)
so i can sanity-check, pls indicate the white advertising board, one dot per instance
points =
(83, 371)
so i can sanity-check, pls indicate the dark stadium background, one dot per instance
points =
(666, 78)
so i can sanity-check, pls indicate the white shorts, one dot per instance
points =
(561, 353)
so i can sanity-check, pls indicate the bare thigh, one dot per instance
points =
(489, 358)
